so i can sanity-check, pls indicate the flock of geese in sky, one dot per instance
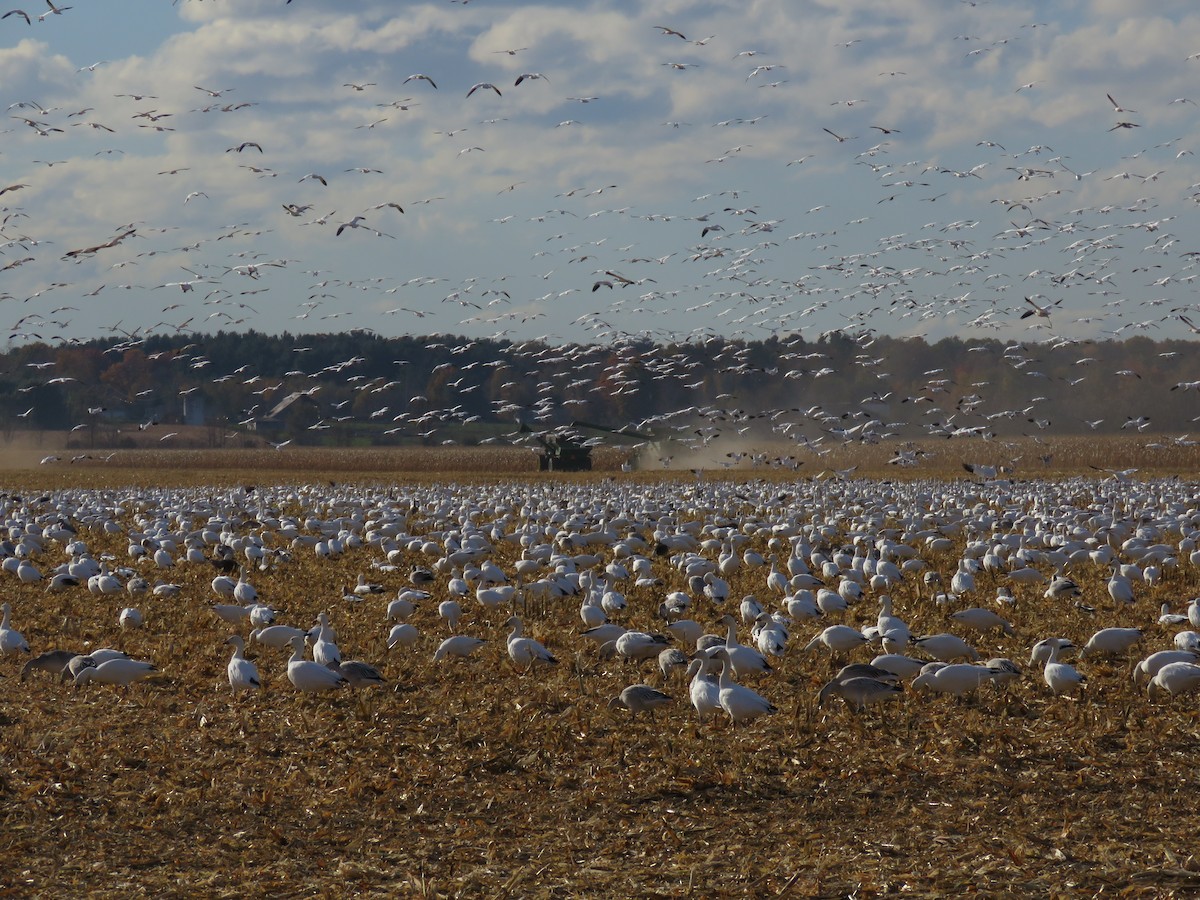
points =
(1045, 242)
(631, 584)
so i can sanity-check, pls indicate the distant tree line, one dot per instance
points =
(358, 386)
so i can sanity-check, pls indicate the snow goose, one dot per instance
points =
(703, 688)
(1148, 667)
(865, 670)
(946, 647)
(859, 692)
(1060, 677)
(460, 645)
(75, 665)
(359, 674)
(402, 635)
(639, 698)
(898, 664)
(130, 617)
(1187, 640)
(525, 651)
(233, 613)
(401, 608)
(123, 672)
(51, 661)
(956, 679)
(308, 676)
(324, 646)
(739, 702)
(1041, 650)
(242, 673)
(365, 588)
(745, 660)
(838, 638)
(451, 611)
(276, 636)
(1175, 678)
(12, 642)
(1062, 587)
(1193, 612)
(1004, 670)
(1166, 617)
(638, 645)
(981, 619)
(686, 631)
(1111, 641)
(670, 660)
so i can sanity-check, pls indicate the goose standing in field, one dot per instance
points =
(525, 651)
(739, 702)
(890, 625)
(634, 645)
(359, 674)
(946, 647)
(121, 671)
(839, 639)
(12, 642)
(1004, 671)
(1111, 641)
(276, 636)
(982, 620)
(401, 608)
(402, 635)
(1041, 650)
(704, 690)
(451, 611)
(1175, 678)
(639, 698)
(52, 661)
(1062, 587)
(1148, 667)
(242, 673)
(233, 613)
(324, 646)
(956, 679)
(459, 645)
(1120, 588)
(1060, 677)
(1193, 612)
(130, 617)
(745, 660)
(308, 676)
(859, 692)
(898, 664)
(670, 661)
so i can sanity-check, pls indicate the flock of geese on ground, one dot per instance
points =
(833, 565)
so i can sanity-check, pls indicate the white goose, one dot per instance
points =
(459, 645)
(703, 688)
(122, 671)
(308, 676)
(12, 641)
(739, 702)
(956, 679)
(242, 673)
(525, 651)
(1175, 678)
(1061, 677)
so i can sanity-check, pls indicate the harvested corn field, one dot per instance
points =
(478, 775)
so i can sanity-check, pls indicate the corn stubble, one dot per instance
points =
(466, 778)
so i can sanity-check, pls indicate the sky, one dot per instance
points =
(669, 170)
